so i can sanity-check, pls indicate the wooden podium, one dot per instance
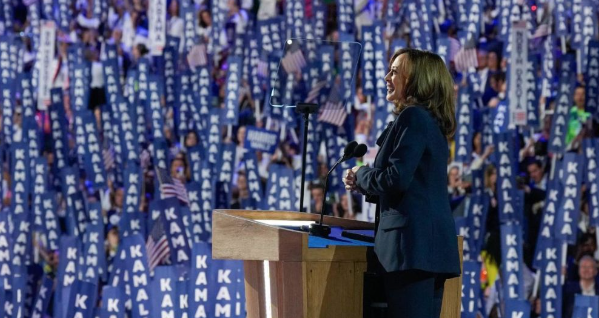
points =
(300, 280)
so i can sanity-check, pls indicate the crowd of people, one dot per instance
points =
(124, 23)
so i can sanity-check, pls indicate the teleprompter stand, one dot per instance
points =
(305, 109)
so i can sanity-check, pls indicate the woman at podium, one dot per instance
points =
(416, 241)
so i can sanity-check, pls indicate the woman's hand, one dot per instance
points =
(350, 178)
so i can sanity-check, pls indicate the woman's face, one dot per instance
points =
(205, 16)
(395, 80)
(173, 9)
(177, 167)
(191, 140)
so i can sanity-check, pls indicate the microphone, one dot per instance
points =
(349, 150)
(360, 151)
(352, 150)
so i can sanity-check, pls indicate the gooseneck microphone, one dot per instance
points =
(352, 150)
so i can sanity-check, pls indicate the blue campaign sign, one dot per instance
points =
(368, 60)
(512, 261)
(5, 252)
(40, 186)
(461, 225)
(214, 137)
(135, 260)
(198, 282)
(196, 227)
(592, 79)
(532, 93)
(551, 286)
(230, 114)
(182, 103)
(208, 196)
(171, 56)
(82, 300)
(194, 157)
(471, 289)
(566, 226)
(42, 298)
(94, 264)
(182, 305)
(113, 304)
(204, 99)
(254, 183)
(548, 223)
(506, 178)
(477, 218)
(226, 288)
(261, 139)
(94, 164)
(279, 194)
(465, 128)
(517, 308)
(557, 140)
(164, 292)
(155, 108)
(21, 176)
(33, 281)
(175, 231)
(586, 306)
(68, 269)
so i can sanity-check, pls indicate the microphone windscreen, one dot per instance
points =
(360, 150)
(349, 149)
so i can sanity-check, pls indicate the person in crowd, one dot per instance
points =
(586, 245)
(499, 85)
(584, 285)
(191, 139)
(577, 119)
(175, 22)
(180, 168)
(342, 208)
(480, 156)
(317, 198)
(456, 188)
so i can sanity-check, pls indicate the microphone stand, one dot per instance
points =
(321, 229)
(305, 109)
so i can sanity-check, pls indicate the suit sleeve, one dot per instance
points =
(407, 152)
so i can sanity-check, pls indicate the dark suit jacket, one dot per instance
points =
(416, 228)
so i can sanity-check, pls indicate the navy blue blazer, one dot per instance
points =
(409, 180)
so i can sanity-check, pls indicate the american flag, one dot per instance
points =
(170, 187)
(333, 112)
(315, 91)
(108, 157)
(157, 245)
(465, 59)
(197, 56)
(293, 61)
(262, 68)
